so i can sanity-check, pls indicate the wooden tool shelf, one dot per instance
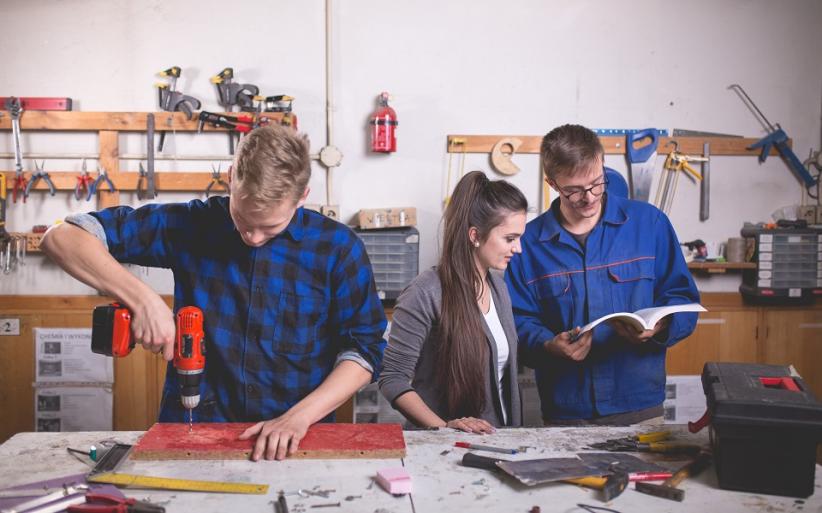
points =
(32, 240)
(613, 145)
(108, 126)
(74, 121)
(719, 267)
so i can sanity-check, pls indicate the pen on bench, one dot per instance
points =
(466, 445)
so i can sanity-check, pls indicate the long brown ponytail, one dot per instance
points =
(462, 355)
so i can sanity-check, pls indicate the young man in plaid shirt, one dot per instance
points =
(293, 323)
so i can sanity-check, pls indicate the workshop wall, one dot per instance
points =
(463, 66)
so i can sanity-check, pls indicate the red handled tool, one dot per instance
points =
(103, 503)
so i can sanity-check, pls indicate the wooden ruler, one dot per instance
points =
(167, 483)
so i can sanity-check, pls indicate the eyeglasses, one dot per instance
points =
(575, 194)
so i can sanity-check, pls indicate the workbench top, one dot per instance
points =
(440, 482)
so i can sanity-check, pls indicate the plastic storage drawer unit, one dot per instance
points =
(765, 425)
(395, 255)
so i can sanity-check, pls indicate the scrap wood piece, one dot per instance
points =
(220, 441)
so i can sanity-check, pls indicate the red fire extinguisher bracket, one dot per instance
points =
(383, 124)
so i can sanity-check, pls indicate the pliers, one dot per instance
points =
(83, 184)
(96, 183)
(39, 174)
(20, 182)
(216, 180)
(103, 503)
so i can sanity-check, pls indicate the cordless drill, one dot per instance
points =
(111, 336)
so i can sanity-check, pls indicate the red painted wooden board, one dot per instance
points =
(219, 441)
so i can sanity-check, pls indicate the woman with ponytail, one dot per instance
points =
(451, 359)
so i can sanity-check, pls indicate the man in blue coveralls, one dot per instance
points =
(293, 325)
(590, 255)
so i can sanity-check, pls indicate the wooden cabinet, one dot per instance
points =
(733, 331)
(794, 337)
(719, 336)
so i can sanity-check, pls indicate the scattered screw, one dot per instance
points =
(352, 497)
(329, 505)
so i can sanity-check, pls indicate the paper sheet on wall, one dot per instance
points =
(73, 408)
(684, 399)
(64, 355)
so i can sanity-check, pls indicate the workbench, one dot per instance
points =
(440, 482)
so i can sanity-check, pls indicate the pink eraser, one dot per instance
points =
(394, 480)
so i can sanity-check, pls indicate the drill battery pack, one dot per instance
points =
(111, 330)
(765, 426)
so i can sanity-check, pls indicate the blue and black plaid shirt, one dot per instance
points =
(277, 317)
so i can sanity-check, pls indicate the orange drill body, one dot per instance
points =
(111, 336)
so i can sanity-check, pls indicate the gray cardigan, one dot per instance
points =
(409, 361)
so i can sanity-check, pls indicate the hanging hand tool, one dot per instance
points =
(41, 103)
(149, 192)
(3, 233)
(776, 137)
(216, 181)
(674, 163)
(111, 336)
(641, 162)
(281, 103)
(84, 181)
(173, 101)
(705, 184)
(102, 176)
(103, 503)
(242, 123)
(231, 93)
(668, 489)
(15, 110)
(38, 175)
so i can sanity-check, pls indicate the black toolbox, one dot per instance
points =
(765, 426)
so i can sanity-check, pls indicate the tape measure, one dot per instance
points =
(167, 483)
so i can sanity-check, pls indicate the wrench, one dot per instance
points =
(15, 109)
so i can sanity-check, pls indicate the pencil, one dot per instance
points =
(478, 447)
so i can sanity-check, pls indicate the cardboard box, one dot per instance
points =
(375, 218)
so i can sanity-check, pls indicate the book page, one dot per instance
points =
(651, 316)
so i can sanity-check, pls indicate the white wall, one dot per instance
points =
(453, 67)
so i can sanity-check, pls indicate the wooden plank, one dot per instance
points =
(219, 441)
(110, 161)
(181, 181)
(614, 145)
(119, 121)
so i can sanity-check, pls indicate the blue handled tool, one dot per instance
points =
(641, 162)
(776, 137)
(101, 176)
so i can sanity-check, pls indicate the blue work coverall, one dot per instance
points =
(632, 260)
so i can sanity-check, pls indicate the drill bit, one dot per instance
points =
(190, 424)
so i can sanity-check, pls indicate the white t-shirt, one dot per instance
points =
(494, 324)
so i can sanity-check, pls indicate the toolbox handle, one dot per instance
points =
(785, 383)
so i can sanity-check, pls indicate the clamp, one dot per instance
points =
(39, 174)
(84, 181)
(102, 176)
(216, 180)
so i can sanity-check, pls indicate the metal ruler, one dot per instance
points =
(167, 483)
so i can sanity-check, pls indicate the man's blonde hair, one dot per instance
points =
(272, 165)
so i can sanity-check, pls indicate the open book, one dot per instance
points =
(646, 318)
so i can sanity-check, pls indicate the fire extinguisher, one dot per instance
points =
(384, 127)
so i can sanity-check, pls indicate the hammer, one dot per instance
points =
(668, 489)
